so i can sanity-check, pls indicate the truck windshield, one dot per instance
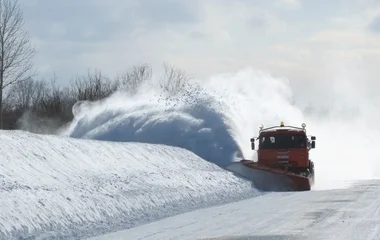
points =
(282, 141)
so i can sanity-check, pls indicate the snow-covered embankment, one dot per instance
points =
(52, 186)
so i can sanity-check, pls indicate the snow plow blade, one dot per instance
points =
(269, 179)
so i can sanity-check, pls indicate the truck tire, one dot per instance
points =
(311, 170)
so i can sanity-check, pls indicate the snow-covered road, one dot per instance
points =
(352, 213)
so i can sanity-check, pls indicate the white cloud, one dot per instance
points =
(293, 4)
(345, 37)
(290, 1)
(57, 29)
(203, 37)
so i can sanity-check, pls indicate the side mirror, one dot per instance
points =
(313, 144)
(313, 138)
(252, 143)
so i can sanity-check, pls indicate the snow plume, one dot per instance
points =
(29, 121)
(345, 121)
(214, 119)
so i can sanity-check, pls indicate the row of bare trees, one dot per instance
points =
(28, 103)
(31, 104)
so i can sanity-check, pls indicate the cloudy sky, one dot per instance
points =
(302, 40)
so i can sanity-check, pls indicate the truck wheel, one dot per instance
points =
(311, 169)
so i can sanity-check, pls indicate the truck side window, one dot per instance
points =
(302, 141)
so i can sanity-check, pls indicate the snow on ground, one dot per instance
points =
(57, 187)
(345, 214)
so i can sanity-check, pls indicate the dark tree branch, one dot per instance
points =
(16, 52)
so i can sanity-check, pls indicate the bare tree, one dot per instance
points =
(132, 81)
(93, 87)
(26, 94)
(174, 79)
(16, 51)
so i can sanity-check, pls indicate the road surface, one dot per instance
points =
(352, 213)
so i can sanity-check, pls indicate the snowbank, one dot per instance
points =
(57, 187)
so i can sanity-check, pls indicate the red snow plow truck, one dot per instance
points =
(283, 162)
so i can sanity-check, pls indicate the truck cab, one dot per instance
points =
(285, 147)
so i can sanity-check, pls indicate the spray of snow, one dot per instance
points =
(216, 118)
(345, 121)
(213, 119)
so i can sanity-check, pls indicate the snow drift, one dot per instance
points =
(55, 187)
